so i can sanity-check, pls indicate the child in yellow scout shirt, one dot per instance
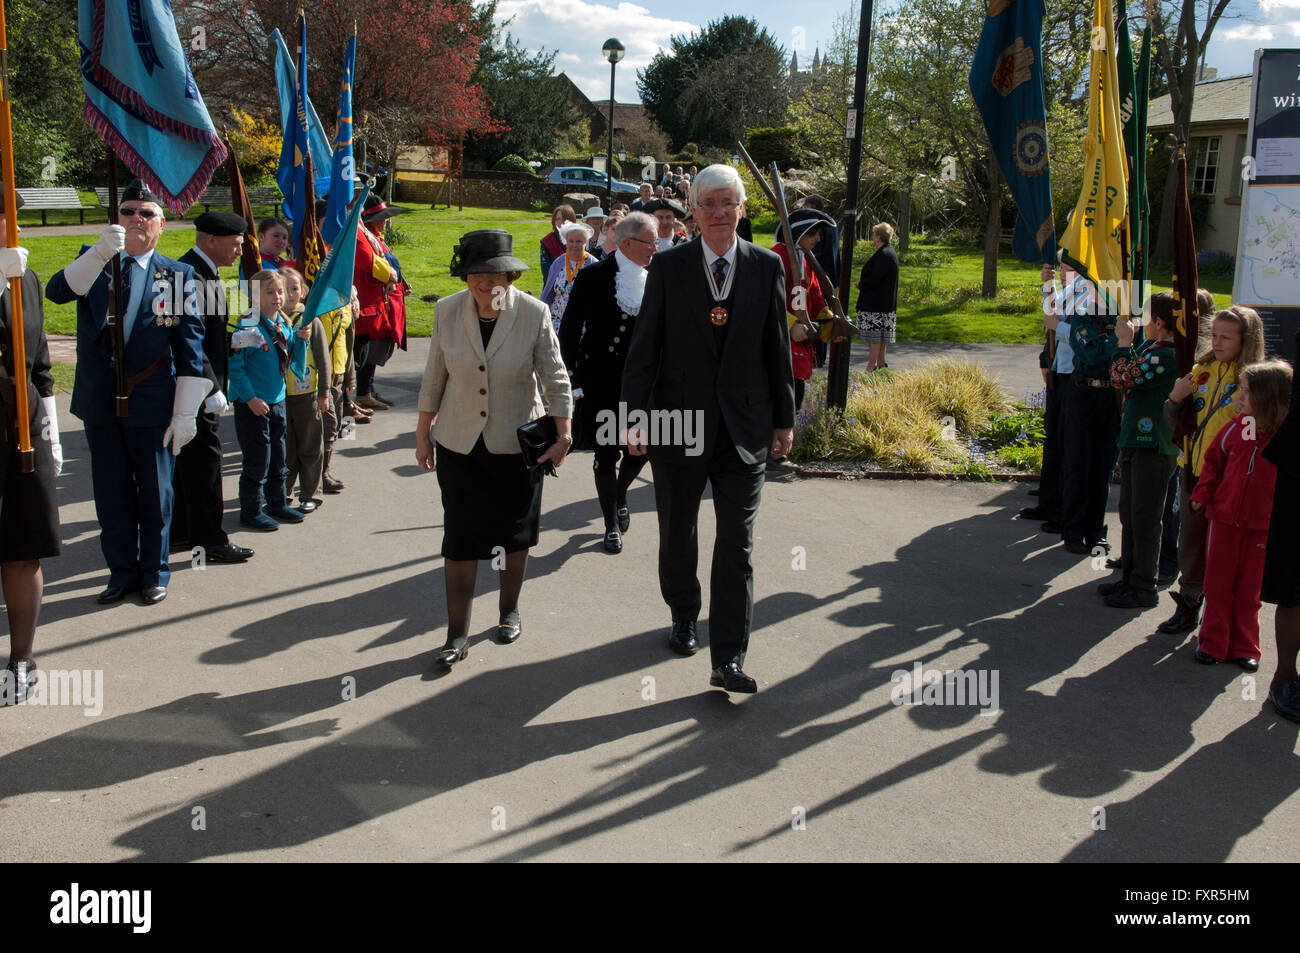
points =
(307, 393)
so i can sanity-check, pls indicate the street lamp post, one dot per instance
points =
(613, 51)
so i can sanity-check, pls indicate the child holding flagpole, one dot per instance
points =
(307, 394)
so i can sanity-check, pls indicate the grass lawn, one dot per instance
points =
(939, 301)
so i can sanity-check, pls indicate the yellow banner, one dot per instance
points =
(1093, 240)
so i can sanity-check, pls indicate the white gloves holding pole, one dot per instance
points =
(190, 392)
(13, 262)
(81, 274)
(50, 430)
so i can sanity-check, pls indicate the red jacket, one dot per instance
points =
(802, 353)
(1236, 482)
(381, 317)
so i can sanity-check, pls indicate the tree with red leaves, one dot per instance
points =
(414, 60)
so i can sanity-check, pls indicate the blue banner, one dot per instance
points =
(342, 171)
(1006, 82)
(142, 99)
(286, 82)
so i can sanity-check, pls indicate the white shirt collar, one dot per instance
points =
(710, 257)
(142, 259)
(624, 261)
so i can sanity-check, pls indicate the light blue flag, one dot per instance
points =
(332, 288)
(286, 82)
(142, 99)
(342, 186)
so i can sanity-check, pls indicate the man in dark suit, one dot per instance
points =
(218, 241)
(594, 338)
(132, 457)
(711, 345)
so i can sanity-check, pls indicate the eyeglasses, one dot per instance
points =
(712, 205)
(144, 213)
(643, 241)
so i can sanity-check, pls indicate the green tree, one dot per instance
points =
(713, 85)
(523, 93)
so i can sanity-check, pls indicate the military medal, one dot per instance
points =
(718, 316)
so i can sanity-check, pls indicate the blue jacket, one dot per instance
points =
(255, 371)
(159, 325)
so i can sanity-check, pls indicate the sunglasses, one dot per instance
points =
(144, 213)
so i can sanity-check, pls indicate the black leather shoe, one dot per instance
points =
(152, 595)
(1114, 563)
(1036, 513)
(1110, 588)
(111, 595)
(624, 518)
(732, 679)
(510, 628)
(449, 654)
(228, 553)
(1079, 549)
(613, 542)
(1105, 546)
(1185, 618)
(1130, 598)
(1249, 664)
(682, 641)
(1205, 658)
(1285, 697)
(1052, 528)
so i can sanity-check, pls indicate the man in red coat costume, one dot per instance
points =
(381, 290)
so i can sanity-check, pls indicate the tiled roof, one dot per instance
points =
(1217, 100)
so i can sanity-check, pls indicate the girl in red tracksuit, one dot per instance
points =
(1236, 491)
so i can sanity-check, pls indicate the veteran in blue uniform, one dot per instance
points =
(132, 458)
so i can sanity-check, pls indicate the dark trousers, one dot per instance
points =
(1049, 481)
(197, 483)
(1193, 534)
(262, 441)
(132, 477)
(1144, 484)
(737, 487)
(1089, 429)
(800, 386)
(1172, 524)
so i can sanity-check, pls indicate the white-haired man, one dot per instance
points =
(711, 350)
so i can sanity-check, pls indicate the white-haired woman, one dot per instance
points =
(559, 281)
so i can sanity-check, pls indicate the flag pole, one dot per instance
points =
(26, 456)
(122, 402)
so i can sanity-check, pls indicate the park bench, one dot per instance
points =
(219, 197)
(47, 200)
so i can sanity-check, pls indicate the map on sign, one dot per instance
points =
(1269, 264)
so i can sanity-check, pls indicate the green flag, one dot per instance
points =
(1140, 203)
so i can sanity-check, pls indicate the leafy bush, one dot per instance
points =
(1215, 264)
(395, 235)
(541, 205)
(1022, 456)
(512, 164)
(1020, 426)
(924, 259)
(774, 144)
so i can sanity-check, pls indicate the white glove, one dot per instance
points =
(50, 426)
(249, 337)
(216, 403)
(81, 274)
(13, 262)
(190, 392)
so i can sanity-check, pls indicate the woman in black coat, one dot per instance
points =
(29, 513)
(877, 316)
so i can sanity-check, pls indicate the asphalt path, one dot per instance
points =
(288, 709)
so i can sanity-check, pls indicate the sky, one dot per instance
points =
(577, 29)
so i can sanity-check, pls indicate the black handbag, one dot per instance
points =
(535, 438)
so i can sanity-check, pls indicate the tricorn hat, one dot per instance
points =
(666, 205)
(377, 209)
(804, 220)
(485, 251)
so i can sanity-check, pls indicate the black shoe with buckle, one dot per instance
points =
(682, 641)
(624, 518)
(730, 678)
(510, 627)
(613, 542)
(454, 651)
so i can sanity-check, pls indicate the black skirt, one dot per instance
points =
(29, 510)
(490, 502)
(1281, 585)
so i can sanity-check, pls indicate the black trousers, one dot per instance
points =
(1090, 427)
(1144, 484)
(737, 487)
(1049, 481)
(197, 482)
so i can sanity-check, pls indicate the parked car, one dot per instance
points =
(590, 180)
